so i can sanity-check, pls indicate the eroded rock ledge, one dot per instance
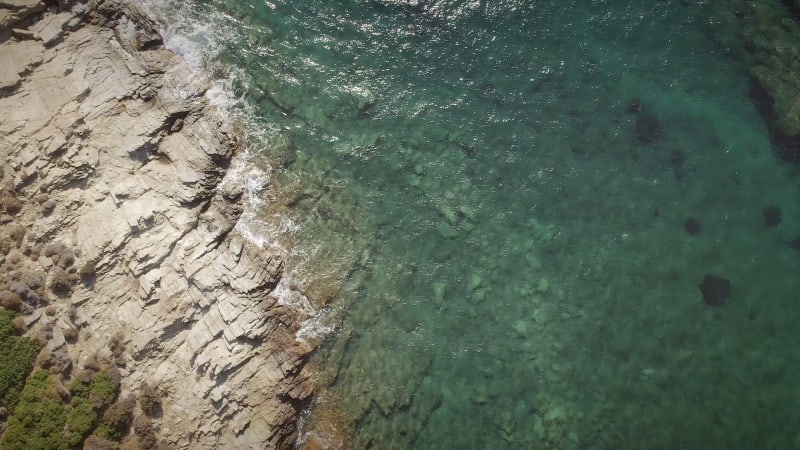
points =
(113, 151)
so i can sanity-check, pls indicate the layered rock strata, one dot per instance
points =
(114, 155)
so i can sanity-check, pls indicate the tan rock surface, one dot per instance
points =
(14, 11)
(133, 164)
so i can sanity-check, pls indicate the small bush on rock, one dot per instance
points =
(62, 281)
(66, 259)
(35, 251)
(94, 363)
(6, 245)
(13, 259)
(46, 332)
(87, 270)
(19, 325)
(10, 204)
(53, 249)
(70, 334)
(117, 420)
(149, 400)
(143, 427)
(117, 348)
(16, 233)
(10, 300)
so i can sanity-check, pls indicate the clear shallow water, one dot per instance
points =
(517, 269)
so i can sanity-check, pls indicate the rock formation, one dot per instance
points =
(113, 154)
(766, 37)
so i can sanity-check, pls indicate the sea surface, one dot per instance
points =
(509, 208)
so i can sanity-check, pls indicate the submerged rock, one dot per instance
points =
(716, 290)
(693, 226)
(648, 129)
(772, 216)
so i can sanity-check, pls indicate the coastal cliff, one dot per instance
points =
(118, 227)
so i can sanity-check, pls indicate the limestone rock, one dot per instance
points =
(52, 27)
(18, 59)
(13, 12)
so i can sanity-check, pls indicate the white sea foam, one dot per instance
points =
(292, 298)
(318, 326)
(197, 39)
(200, 38)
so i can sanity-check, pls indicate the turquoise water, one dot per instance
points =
(496, 194)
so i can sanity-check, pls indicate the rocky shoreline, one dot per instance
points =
(764, 37)
(115, 176)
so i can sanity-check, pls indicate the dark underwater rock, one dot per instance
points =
(693, 226)
(648, 129)
(716, 290)
(772, 216)
(785, 145)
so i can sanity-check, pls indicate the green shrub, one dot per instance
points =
(81, 420)
(44, 419)
(39, 418)
(99, 389)
(17, 355)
